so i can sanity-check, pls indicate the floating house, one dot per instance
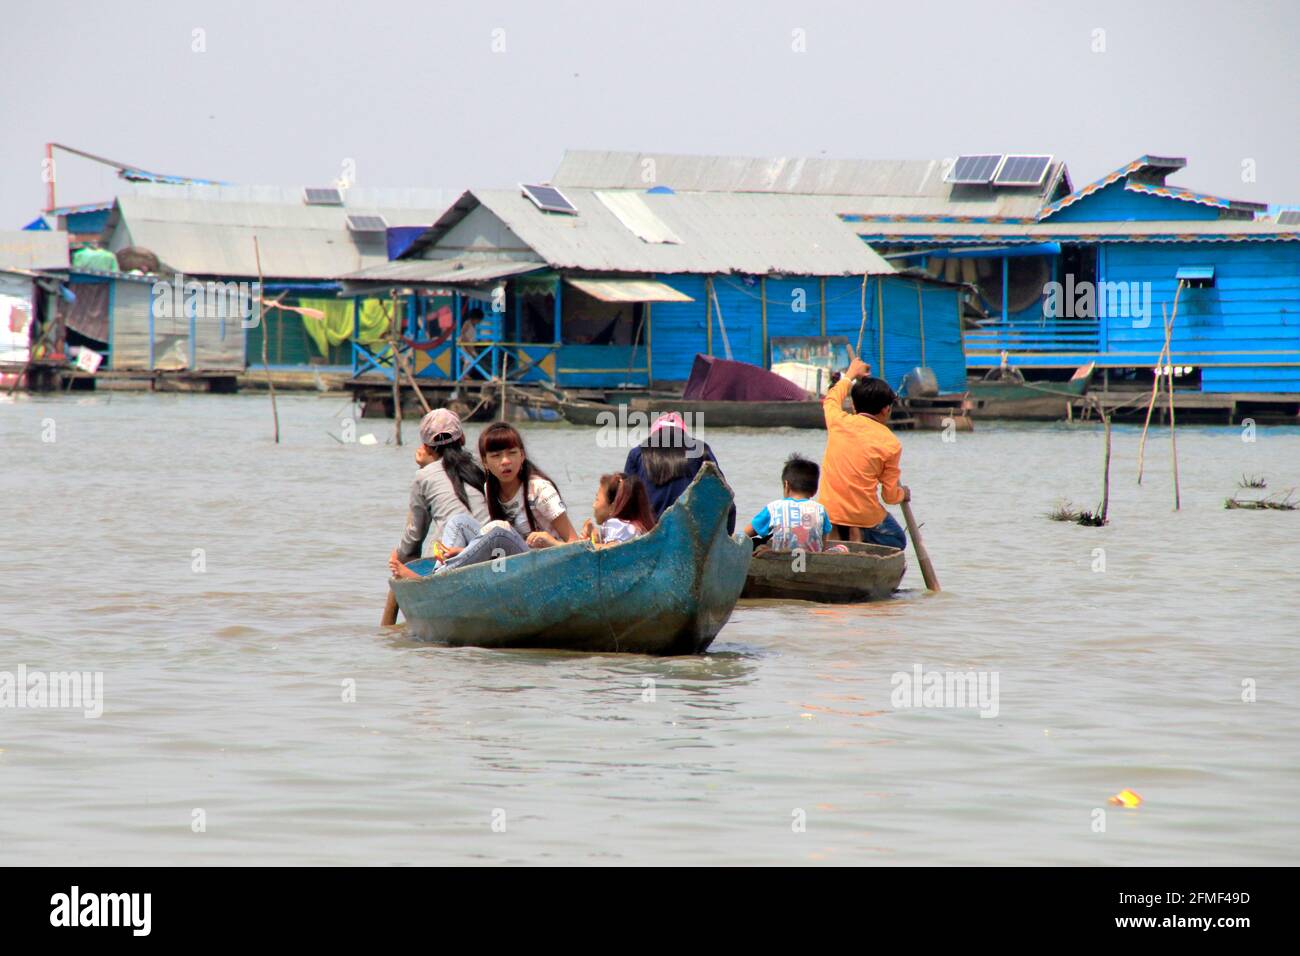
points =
(30, 343)
(1062, 276)
(299, 241)
(604, 281)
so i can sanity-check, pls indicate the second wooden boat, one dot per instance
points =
(1012, 397)
(869, 572)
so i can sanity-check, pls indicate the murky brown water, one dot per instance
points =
(223, 689)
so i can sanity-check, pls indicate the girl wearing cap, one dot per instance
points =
(523, 506)
(667, 462)
(448, 485)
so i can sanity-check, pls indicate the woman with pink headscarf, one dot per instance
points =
(667, 462)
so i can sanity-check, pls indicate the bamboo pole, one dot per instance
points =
(261, 324)
(1105, 480)
(400, 363)
(1173, 435)
(1166, 356)
(708, 315)
(862, 326)
(505, 362)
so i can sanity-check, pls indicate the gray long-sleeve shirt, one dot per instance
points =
(433, 501)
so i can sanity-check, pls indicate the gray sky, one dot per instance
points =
(415, 95)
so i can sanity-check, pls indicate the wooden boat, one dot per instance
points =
(667, 592)
(1013, 397)
(869, 572)
(585, 413)
(725, 414)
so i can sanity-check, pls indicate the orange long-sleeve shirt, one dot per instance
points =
(861, 456)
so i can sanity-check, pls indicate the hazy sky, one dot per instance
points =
(416, 95)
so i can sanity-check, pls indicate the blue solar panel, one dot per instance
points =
(549, 199)
(975, 169)
(1023, 170)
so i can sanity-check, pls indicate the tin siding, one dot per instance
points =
(1251, 315)
(677, 330)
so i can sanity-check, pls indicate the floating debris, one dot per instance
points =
(1252, 481)
(1282, 501)
(1128, 799)
(1064, 511)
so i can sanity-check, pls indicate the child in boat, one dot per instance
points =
(794, 521)
(667, 462)
(449, 483)
(523, 504)
(861, 459)
(519, 493)
(621, 511)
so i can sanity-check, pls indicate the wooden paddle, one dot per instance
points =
(923, 556)
(390, 610)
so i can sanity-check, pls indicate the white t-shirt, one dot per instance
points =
(544, 499)
(615, 530)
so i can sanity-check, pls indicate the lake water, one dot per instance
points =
(224, 687)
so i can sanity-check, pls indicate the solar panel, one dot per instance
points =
(1289, 217)
(549, 199)
(367, 223)
(1022, 170)
(322, 197)
(975, 169)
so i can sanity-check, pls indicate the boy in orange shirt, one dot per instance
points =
(861, 456)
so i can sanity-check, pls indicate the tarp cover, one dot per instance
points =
(719, 380)
(88, 315)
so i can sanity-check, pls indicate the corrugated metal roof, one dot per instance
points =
(746, 233)
(460, 271)
(33, 249)
(1177, 230)
(206, 237)
(354, 197)
(904, 179)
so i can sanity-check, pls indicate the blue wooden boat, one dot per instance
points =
(667, 592)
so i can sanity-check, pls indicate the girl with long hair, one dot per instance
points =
(621, 511)
(668, 460)
(520, 493)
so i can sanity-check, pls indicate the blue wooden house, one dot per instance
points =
(605, 280)
(1089, 275)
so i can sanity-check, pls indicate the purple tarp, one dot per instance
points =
(719, 380)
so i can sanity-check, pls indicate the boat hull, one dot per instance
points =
(869, 572)
(1038, 401)
(667, 592)
(587, 413)
(718, 414)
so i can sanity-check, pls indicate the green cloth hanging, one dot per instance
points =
(336, 327)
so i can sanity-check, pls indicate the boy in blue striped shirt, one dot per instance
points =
(794, 521)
